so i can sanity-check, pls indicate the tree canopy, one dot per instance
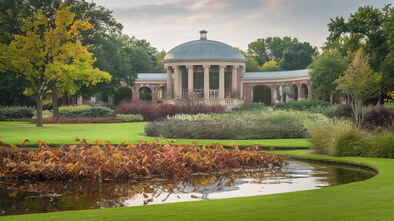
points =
(49, 57)
(326, 68)
(370, 29)
(288, 52)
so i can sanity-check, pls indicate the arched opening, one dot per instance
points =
(161, 94)
(304, 91)
(294, 92)
(262, 93)
(145, 94)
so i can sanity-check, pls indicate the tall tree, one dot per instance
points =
(360, 82)
(289, 53)
(326, 68)
(52, 57)
(369, 29)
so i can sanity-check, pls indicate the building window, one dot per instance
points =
(198, 77)
(214, 77)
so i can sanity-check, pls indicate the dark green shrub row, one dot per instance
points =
(303, 105)
(312, 106)
(85, 111)
(16, 112)
(223, 129)
(130, 117)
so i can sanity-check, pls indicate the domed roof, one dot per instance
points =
(203, 49)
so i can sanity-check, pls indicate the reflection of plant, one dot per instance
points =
(83, 194)
(127, 161)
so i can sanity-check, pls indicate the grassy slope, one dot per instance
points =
(367, 200)
(17, 132)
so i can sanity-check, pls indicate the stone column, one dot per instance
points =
(190, 88)
(299, 92)
(180, 83)
(176, 82)
(206, 81)
(234, 89)
(170, 93)
(221, 81)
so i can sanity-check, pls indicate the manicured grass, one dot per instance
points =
(367, 200)
(57, 134)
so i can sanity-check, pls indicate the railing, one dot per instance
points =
(199, 93)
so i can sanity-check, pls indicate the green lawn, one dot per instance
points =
(367, 200)
(56, 134)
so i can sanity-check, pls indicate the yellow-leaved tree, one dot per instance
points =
(52, 57)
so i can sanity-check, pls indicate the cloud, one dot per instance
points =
(167, 23)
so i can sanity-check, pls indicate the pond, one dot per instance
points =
(40, 197)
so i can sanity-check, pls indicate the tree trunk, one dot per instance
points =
(39, 110)
(55, 103)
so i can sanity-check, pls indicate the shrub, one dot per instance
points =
(84, 111)
(345, 139)
(130, 117)
(379, 117)
(152, 111)
(383, 145)
(16, 112)
(121, 94)
(303, 105)
(223, 129)
(97, 112)
(339, 139)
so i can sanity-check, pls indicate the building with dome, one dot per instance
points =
(212, 72)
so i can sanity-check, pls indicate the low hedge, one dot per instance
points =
(223, 129)
(84, 111)
(16, 112)
(130, 117)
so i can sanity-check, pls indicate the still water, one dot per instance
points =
(41, 197)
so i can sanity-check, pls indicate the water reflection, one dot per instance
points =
(37, 197)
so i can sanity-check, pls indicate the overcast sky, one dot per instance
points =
(168, 23)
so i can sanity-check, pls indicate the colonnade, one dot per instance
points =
(174, 75)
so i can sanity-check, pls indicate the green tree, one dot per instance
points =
(326, 68)
(370, 29)
(387, 66)
(251, 64)
(52, 57)
(360, 82)
(159, 67)
(289, 53)
(270, 66)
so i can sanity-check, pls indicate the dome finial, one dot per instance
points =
(203, 35)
